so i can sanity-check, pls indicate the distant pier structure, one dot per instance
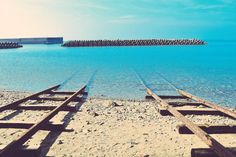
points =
(43, 40)
(143, 42)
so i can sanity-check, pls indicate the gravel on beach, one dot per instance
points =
(105, 127)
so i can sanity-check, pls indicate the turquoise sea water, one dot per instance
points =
(207, 71)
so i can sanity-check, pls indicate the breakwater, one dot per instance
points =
(146, 42)
(44, 40)
(8, 45)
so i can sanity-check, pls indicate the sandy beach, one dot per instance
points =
(104, 127)
(102, 78)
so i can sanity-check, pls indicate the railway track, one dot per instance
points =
(170, 105)
(203, 132)
(16, 147)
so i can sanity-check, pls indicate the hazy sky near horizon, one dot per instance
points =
(112, 19)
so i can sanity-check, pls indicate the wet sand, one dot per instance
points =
(103, 127)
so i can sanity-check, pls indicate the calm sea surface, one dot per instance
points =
(207, 71)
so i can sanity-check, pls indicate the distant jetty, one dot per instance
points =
(9, 45)
(43, 40)
(144, 42)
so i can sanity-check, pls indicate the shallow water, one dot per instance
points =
(207, 71)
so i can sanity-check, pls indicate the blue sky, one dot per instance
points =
(112, 19)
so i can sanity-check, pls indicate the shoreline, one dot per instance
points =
(99, 97)
(105, 127)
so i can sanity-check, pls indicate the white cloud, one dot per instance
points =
(128, 19)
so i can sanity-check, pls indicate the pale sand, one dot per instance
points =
(132, 128)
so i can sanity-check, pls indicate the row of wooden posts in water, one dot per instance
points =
(8, 45)
(147, 42)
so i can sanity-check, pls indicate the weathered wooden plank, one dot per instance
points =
(33, 107)
(76, 99)
(49, 99)
(206, 138)
(64, 93)
(21, 125)
(215, 129)
(206, 152)
(27, 125)
(16, 144)
(165, 112)
(167, 97)
(61, 92)
(178, 104)
(27, 152)
(27, 98)
(208, 103)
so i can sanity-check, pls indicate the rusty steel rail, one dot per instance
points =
(15, 146)
(208, 103)
(213, 129)
(206, 138)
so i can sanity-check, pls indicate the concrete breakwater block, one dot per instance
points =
(8, 45)
(143, 42)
